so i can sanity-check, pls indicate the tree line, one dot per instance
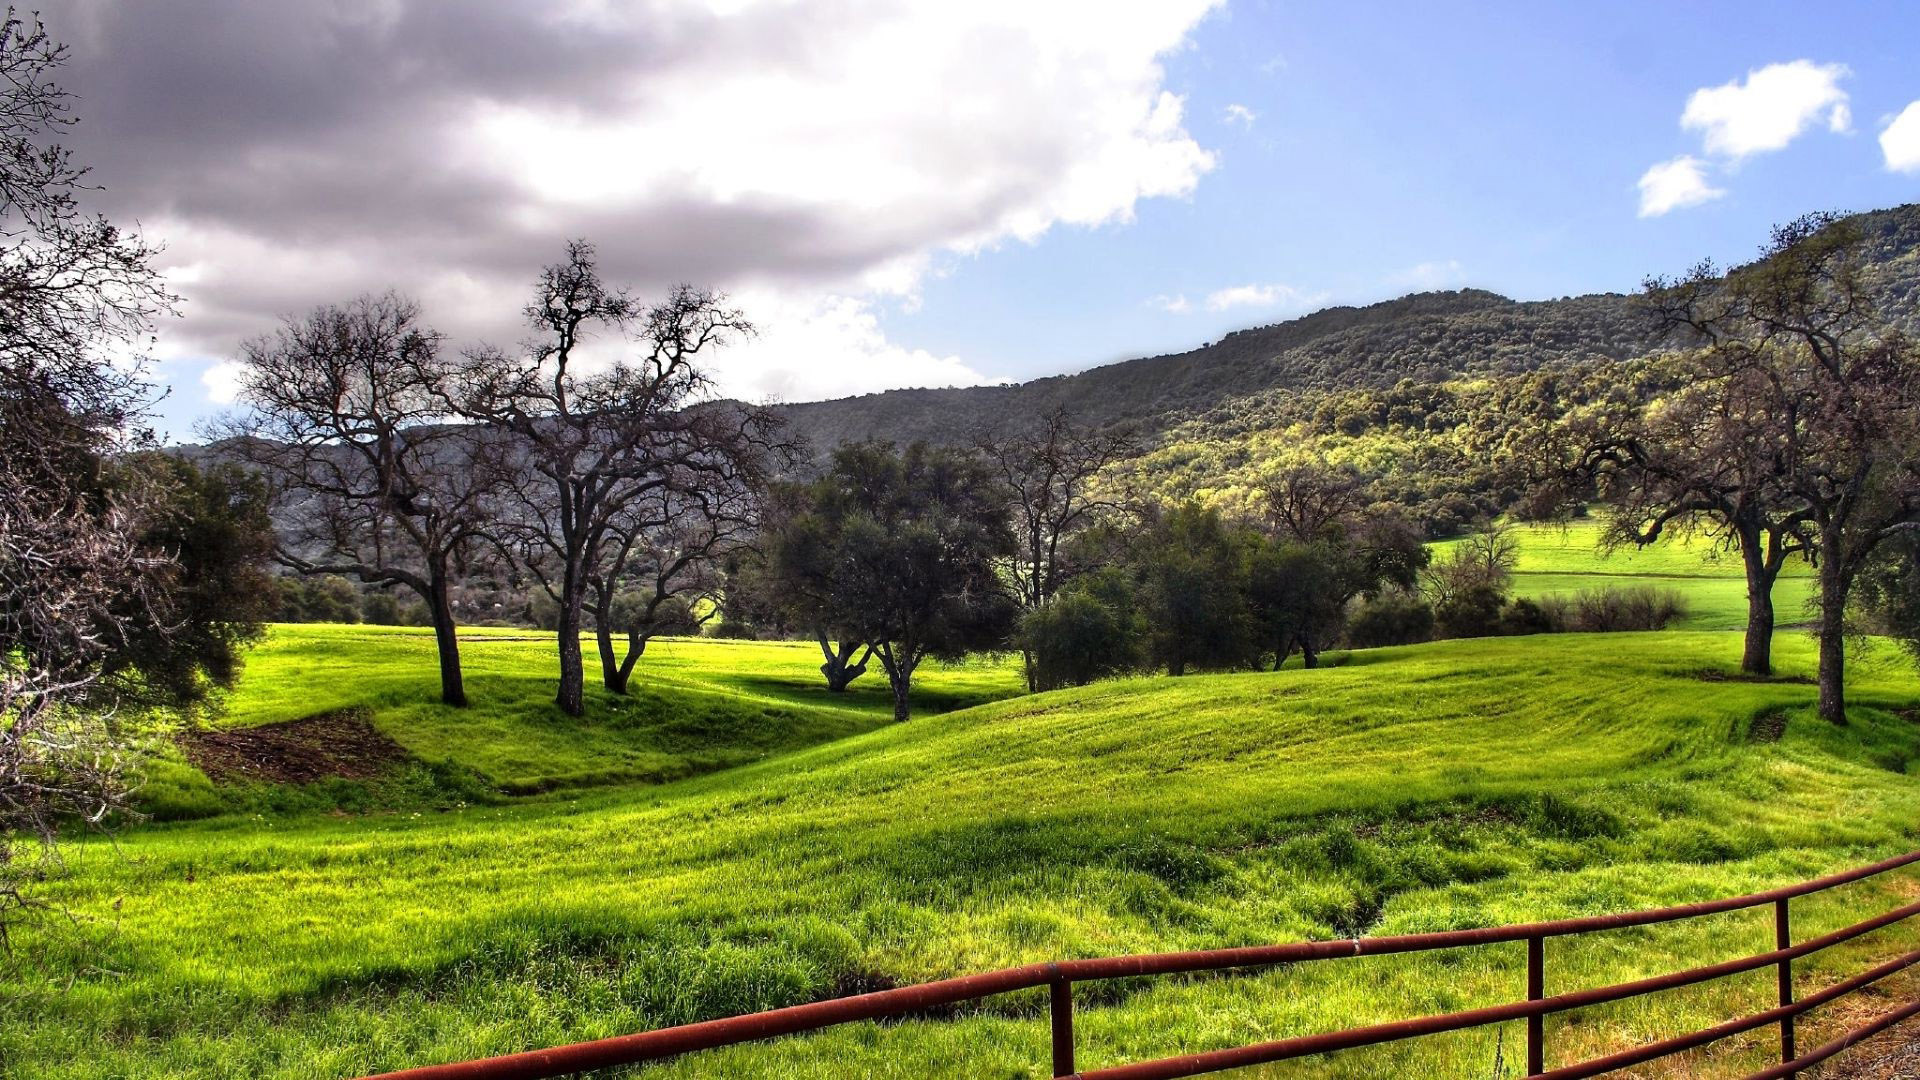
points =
(1779, 424)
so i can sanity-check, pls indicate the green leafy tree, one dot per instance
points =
(1190, 566)
(899, 551)
(1091, 629)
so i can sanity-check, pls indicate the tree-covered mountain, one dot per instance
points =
(1428, 338)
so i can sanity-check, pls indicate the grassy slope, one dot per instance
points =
(696, 705)
(1449, 785)
(1560, 559)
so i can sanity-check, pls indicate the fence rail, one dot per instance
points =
(1060, 978)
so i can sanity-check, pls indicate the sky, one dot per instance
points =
(907, 193)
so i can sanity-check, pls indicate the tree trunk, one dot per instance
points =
(902, 682)
(900, 666)
(1033, 676)
(611, 674)
(453, 689)
(1757, 656)
(1834, 582)
(636, 648)
(572, 695)
(1309, 653)
(839, 668)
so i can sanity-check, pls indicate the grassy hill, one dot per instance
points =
(696, 705)
(1450, 785)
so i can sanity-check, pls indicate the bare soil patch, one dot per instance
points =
(343, 743)
(1716, 675)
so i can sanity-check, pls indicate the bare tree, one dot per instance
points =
(1307, 499)
(668, 542)
(587, 444)
(1707, 459)
(74, 577)
(343, 412)
(1051, 473)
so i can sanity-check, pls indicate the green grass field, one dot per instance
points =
(1565, 559)
(1458, 784)
(695, 706)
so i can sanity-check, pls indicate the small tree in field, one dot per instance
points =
(1090, 630)
(1191, 571)
(1326, 544)
(908, 557)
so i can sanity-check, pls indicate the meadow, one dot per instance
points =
(1450, 785)
(1567, 558)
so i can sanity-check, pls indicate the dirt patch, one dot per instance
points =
(1716, 675)
(343, 743)
(1767, 727)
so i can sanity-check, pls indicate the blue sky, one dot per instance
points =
(1396, 147)
(924, 193)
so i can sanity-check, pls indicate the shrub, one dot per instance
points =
(1524, 616)
(380, 609)
(1471, 612)
(1087, 632)
(1640, 607)
(1391, 618)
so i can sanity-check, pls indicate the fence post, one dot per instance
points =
(1062, 1027)
(1536, 989)
(1783, 939)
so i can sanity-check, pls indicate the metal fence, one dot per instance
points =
(1060, 979)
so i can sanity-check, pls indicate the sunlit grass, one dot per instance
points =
(1560, 560)
(1451, 785)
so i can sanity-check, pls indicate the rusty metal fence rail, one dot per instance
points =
(1060, 979)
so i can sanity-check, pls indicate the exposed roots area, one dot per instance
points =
(343, 743)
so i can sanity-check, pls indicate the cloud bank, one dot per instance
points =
(816, 161)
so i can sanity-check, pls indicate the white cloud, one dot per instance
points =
(1770, 109)
(221, 381)
(1900, 142)
(1177, 303)
(1673, 185)
(1239, 114)
(1260, 296)
(814, 162)
(1438, 274)
(827, 347)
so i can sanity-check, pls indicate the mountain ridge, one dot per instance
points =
(1425, 336)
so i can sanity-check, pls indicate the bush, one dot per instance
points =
(1525, 616)
(1471, 612)
(380, 609)
(1391, 618)
(1087, 632)
(1640, 607)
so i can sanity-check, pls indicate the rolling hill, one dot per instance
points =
(1450, 785)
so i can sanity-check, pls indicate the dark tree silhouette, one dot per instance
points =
(900, 552)
(666, 547)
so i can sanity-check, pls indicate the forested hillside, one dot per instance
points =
(1429, 338)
